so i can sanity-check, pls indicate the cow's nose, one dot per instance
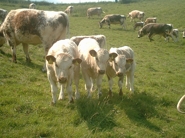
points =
(101, 71)
(62, 80)
(119, 74)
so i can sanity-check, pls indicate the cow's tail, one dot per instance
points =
(67, 24)
(179, 104)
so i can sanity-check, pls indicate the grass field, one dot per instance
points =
(150, 112)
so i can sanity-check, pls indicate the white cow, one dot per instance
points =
(30, 26)
(101, 39)
(136, 14)
(94, 63)
(174, 35)
(3, 14)
(121, 63)
(94, 11)
(179, 104)
(69, 10)
(32, 6)
(63, 65)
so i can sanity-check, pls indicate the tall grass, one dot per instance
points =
(150, 112)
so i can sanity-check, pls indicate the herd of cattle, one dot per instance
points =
(66, 57)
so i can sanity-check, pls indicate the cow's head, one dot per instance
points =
(100, 24)
(118, 63)
(63, 66)
(101, 57)
(140, 33)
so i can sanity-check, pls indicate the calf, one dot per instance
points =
(32, 6)
(113, 19)
(29, 26)
(121, 63)
(101, 39)
(136, 14)
(138, 24)
(69, 10)
(62, 63)
(94, 11)
(155, 28)
(151, 20)
(94, 63)
(3, 14)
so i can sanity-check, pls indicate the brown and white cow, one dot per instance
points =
(32, 6)
(121, 63)
(30, 26)
(113, 19)
(69, 10)
(101, 39)
(94, 63)
(179, 104)
(155, 28)
(174, 35)
(151, 20)
(138, 24)
(63, 65)
(136, 14)
(183, 34)
(3, 14)
(94, 11)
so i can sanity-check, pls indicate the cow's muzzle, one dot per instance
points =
(119, 74)
(62, 80)
(101, 71)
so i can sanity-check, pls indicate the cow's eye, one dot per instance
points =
(96, 59)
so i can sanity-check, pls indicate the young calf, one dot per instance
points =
(121, 63)
(62, 63)
(94, 63)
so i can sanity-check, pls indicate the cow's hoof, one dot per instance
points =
(71, 101)
(53, 103)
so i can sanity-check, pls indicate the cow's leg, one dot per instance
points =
(120, 84)
(132, 81)
(25, 49)
(110, 80)
(69, 91)
(76, 80)
(99, 82)
(14, 59)
(150, 36)
(87, 83)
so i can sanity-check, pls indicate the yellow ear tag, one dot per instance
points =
(50, 61)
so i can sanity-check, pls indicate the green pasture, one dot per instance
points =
(150, 112)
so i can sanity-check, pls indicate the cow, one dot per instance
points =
(155, 28)
(63, 65)
(174, 35)
(113, 19)
(101, 39)
(151, 20)
(138, 24)
(179, 104)
(94, 62)
(32, 6)
(136, 14)
(69, 10)
(30, 26)
(3, 14)
(94, 11)
(183, 34)
(121, 63)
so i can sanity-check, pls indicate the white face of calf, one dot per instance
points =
(63, 66)
(101, 57)
(118, 63)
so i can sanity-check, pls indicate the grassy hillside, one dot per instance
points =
(150, 112)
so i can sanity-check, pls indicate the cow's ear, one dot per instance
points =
(50, 59)
(112, 56)
(129, 60)
(76, 61)
(93, 53)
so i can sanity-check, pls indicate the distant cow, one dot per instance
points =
(63, 65)
(113, 19)
(183, 34)
(94, 11)
(179, 104)
(155, 28)
(136, 14)
(69, 10)
(174, 35)
(3, 14)
(121, 63)
(151, 20)
(29, 26)
(94, 63)
(32, 6)
(101, 39)
(138, 24)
